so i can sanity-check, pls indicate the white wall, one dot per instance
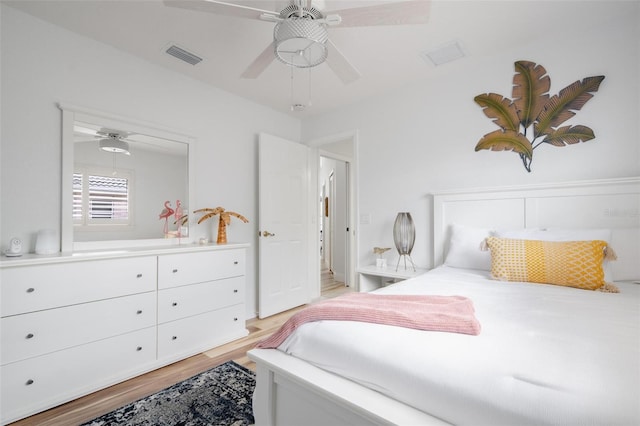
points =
(43, 64)
(422, 138)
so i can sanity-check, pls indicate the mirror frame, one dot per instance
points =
(71, 114)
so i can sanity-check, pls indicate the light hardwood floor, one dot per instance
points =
(93, 405)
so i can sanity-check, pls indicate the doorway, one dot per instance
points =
(336, 211)
(334, 223)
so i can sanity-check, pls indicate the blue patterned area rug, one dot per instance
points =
(217, 397)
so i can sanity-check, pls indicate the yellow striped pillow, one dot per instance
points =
(567, 263)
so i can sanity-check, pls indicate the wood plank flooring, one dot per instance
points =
(93, 405)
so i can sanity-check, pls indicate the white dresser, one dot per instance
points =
(200, 301)
(73, 324)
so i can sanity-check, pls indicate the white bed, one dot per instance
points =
(546, 354)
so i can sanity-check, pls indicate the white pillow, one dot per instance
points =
(521, 234)
(464, 248)
(563, 234)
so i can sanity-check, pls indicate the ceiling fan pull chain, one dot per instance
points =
(292, 102)
(309, 100)
(115, 171)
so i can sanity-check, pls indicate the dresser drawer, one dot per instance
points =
(191, 268)
(39, 383)
(37, 333)
(179, 302)
(34, 288)
(190, 335)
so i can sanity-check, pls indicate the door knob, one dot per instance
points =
(267, 234)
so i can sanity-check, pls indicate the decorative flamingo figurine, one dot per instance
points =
(166, 213)
(178, 215)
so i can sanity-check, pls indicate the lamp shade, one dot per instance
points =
(114, 145)
(300, 42)
(404, 233)
(404, 236)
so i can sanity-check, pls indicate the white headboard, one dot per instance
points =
(607, 203)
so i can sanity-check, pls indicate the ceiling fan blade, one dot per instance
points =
(102, 132)
(340, 65)
(398, 13)
(221, 8)
(81, 130)
(260, 63)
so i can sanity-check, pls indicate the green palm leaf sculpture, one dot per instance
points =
(532, 106)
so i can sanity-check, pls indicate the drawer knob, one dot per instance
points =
(235, 290)
(139, 276)
(174, 271)
(30, 336)
(235, 319)
(31, 290)
(235, 263)
(139, 348)
(139, 311)
(174, 304)
(29, 382)
(174, 338)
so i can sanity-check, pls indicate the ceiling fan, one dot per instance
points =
(300, 37)
(114, 143)
(119, 141)
(110, 140)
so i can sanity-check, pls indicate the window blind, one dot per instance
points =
(100, 199)
(108, 198)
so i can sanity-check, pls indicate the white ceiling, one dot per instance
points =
(388, 57)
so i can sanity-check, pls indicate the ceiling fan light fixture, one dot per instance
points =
(115, 146)
(300, 42)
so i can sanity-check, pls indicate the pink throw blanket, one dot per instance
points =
(453, 314)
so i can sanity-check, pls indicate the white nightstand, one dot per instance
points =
(372, 277)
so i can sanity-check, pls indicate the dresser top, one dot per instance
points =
(79, 256)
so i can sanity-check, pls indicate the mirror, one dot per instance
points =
(124, 183)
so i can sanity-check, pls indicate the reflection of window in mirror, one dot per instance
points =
(101, 198)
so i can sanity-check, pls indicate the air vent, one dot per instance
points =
(183, 55)
(447, 53)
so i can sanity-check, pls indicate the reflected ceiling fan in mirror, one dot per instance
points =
(300, 36)
(110, 140)
(120, 141)
(114, 143)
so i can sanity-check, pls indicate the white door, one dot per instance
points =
(283, 225)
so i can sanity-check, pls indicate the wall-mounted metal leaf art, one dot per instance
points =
(532, 106)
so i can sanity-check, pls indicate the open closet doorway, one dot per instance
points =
(336, 200)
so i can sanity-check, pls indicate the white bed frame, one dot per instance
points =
(291, 392)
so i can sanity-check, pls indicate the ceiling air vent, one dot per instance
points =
(447, 53)
(183, 55)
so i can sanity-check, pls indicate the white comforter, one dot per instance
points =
(545, 355)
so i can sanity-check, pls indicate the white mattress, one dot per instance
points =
(545, 355)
